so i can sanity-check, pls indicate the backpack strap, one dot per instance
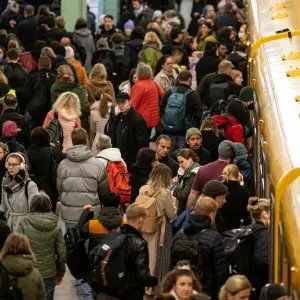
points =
(188, 91)
(26, 193)
(174, 89)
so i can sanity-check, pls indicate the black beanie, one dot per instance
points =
(214, 188)
(272, 291)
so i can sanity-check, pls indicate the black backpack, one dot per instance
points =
(77, 257)
(106, 60)
(187, 247)
(110, 127)
(55, 131)
(239, 245)
(8, 287)
(108, 271)
(219, 91)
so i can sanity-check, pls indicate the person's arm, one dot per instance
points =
(60, 251)
(196, 189)
(261, 250)
(40, 286)
(195, 108)
(182, 193)
(164, 102)
(59, 179)
(32, 191)
(192, 196)
(169, 204)
(85, 106)
(141, 134)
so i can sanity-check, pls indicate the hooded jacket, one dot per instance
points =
(26, 31)
(206, 64)
(80, 181)
(150, 55)
(29, 280)
(92, 86)
(211, 143)
(163, 80)
(47, 243)
(212, 247)
(83, 38)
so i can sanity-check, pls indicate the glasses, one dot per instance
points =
(12, 165)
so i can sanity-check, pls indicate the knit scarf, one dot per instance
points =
(12, 184)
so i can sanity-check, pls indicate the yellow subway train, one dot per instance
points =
(274, 71)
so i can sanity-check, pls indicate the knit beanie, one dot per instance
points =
(227, 149)
(9, 129)
(246, 94)
(241, 152)
(156, 14)
(69, 52)
(129, 24)
(272, 291)
(214, 188)
(191, 132)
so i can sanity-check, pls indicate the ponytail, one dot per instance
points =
(104, 99)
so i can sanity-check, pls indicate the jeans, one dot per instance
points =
(83, 290)
(50, 284)
(178, 142)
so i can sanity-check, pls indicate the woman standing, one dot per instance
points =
(183, 184)
(159, 242)
(68, 110)
(98, 83)
(206, 35)
(18, 260)
(43, 159)
(17, 190)
(235, 288)
(44, 233)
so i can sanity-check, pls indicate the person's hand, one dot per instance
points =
(87, 207)
(175, 179)
(59, 280)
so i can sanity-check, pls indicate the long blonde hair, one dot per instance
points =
(256, 206)
(3, 78)
(234, 285)
(16, 244)
(98, 73)
(229, 172)
(152, 38)
(64, 73)
(68, 101)
(160, 178)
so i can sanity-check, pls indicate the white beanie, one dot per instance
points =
(69, 52)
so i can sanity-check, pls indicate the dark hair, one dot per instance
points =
(210, 49)
(176, 49)
(44, 63)
(146, 157)
(40, 136)
(187, 153)
(80, 23)
(220, 43)
(40, 44)
(160, 63)
(12, 54)
(10, 100)
(109, 17)
(111, 199)
(184, 75)
(187, 41)
(117, 38)
(43, 10)
(40, 203)
(228, 7)
(132, 72)
(79, 136)
(163, 137)
(57, 48)
(208, 25)
(50, 21)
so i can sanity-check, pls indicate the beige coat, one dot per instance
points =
(163, 80)
(165, 207)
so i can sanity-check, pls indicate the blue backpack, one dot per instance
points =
(174, 119)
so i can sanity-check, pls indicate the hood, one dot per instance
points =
(224, 119)
(18, 265)
(67, 115)
(94, 86)
(63, 86)
(136, 44)
(79, 153)
(42, 221)
(138, 33)
(76, 64)
(136, 168)
(84, 32)
(110, 218)
(220, 78)
(196, 223)
(112, 154)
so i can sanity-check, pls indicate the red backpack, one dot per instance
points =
(118, 180)
(27, 61)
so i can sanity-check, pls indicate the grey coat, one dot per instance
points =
(81, 179)
(16, 206)
(84, 38)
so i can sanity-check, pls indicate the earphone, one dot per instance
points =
(22, 164)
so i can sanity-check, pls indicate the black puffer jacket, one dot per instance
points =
(206, 64)
(138, 260)
(211, 143)
(212, 247)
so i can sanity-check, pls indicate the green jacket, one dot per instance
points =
(47, 243)
(150, 55)
(60, 87)
(203, 41)
(29, 279)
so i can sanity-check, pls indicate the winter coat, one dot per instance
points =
(23, 134)
(26, 31)
(206, 64)
(234, 132)
(183, 189)
(83, 37)
(139, 175)
(193, 111)
(215, 265)
(235, 208)
(150, 55)
(163, 80)
(47, 242)
(80, 179)
(203, 90)
(80, 70)
(92, 86)
(13, 145)
(59, 61)
(106, 57)
(41, 163)
(171, 163)
(32, 89)
(60, 87)
(211, 143)
(131, 135)
(68, 121)
(204, 39)
(10, 15)
(17, 206)
(226, 19)
(29, 279)
(106, 34)
(145, 99)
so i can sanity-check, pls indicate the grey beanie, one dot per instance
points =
(227, 149)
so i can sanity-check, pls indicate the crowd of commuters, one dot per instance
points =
(135, 136)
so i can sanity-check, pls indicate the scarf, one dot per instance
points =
(12, 184)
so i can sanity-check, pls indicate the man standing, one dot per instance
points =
(131, 130)
(163, 146)
(107, 29)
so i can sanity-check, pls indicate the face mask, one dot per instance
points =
(241, 35)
